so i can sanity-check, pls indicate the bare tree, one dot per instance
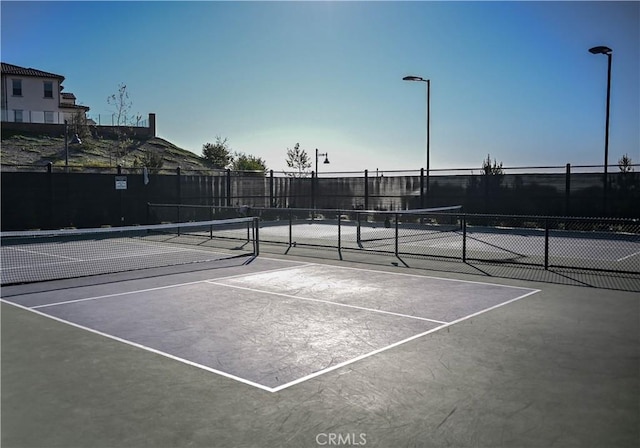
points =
(299, 160)
(122, 106)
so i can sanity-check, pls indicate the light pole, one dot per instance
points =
(428, 82)
(608, 51)
(326, 159)
(314, 184)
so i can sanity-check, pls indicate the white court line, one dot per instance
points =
(291, 383)
(106, 296)
(128, 243)
(396, 344)
(629, 256)
(144, 347)
(114, 257)
(46, 254)
(326, 301)
(413, 275)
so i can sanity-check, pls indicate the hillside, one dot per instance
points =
(28, 150)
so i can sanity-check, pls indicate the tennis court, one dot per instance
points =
(220, 345)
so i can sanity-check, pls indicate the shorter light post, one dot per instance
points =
(326, 159)
(315, 180)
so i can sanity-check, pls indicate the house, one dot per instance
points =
(34, 96)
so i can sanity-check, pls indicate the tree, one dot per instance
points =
(625, 164)
(491, 170)
(122, 105)
(492, 173)
(244, 162)
(298, 159)
(78, 124)
(218, 154)
(150, 159)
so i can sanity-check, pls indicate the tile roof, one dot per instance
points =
(10, 69)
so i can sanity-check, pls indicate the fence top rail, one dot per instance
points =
(549, 169)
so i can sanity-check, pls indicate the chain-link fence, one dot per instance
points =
(607, 245)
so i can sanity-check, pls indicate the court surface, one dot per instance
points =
(276, 328)
(277, 351)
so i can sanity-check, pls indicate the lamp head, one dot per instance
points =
(326, 158)
(413, 78)
(600, 50)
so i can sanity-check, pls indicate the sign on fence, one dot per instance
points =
(121, 182)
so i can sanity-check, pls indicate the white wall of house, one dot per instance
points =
(32, 106)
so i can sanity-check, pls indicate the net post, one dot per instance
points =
(358, 233)
(339, 232)
(546, 243)
(290, 227)
(256, 238)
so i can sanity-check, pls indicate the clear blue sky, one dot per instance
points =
(513, 79)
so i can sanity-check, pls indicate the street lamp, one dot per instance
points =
(608, 51)
(326, 159)
(428, 82)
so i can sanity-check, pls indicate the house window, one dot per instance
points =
(48, 89)
(17, 87)
(48, 117)
(18, 116)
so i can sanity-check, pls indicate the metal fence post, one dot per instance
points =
(464, 238)
(290, 227)
(421, 187)
(52, 208)
(396, 238)
(314, 176)
(339, 233)
(271, 188)
(120, 199)
(546, 243)
(567, 190)
(366, 189)
(228, 187)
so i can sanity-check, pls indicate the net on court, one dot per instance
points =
(34, 256)
(408, 225)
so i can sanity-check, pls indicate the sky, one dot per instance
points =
(513, 80)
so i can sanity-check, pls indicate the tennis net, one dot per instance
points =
(408, 225)
(34, 256)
